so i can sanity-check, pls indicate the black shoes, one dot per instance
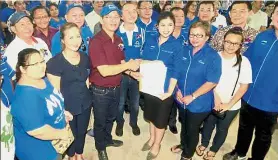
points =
(136, 130)
(233, 156)
(115, 143)
(119, 130)
(173, 129)
(102, 155)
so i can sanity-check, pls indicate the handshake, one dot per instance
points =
(133, 65)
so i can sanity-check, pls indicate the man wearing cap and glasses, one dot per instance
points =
(107, 61)
(21, 25)
(75, 14)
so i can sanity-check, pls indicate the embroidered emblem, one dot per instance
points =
(121, 46)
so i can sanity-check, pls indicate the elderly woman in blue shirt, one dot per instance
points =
(166, 49)
(201, 70)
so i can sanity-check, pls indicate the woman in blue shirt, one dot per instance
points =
(37, 110)
(201, 72)
(55, 21)
(166, 49)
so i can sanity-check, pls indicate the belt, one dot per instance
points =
(101, 87)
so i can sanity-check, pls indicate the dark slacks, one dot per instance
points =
(193, 123)
(105, 102)
(79, 125)
(263, 122)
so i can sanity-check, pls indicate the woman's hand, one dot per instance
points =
(68, 116)
(224, 107)
(165, 96)
(135, 75)
(179, 96)
(187, 99)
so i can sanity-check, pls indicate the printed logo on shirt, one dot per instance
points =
(167, 51)
(152, 47)
(263, 42)
(137, 44)
(184, 58)
(53, 102)
(202, 62)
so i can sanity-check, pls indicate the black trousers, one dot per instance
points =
(263, 122)
(193, 123)
(79, 125)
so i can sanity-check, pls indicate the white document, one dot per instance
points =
(153, 78)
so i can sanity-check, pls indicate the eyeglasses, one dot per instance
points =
(232, 44)
(83, 46)
(196, 35)
(36, 64)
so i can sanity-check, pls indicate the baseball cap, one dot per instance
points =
(17, 16)
(73, 5)
(109, 8)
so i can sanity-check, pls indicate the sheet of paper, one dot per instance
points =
(153, 78)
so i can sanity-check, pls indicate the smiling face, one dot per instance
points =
(198, 37)
(35, 67)
(72, 39)
(145, 10)
(166, 27)
(239, 14)
(232, 43)
(129, 13)
(23, 28)
(76, 15)
(41, 18)
(111, 21)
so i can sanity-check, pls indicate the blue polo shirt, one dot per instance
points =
(204, 66)
(170, 53)
(6, 13)
(262, 54)
(62, 7)
(183, 38)
(87, 8)
(31, 109)
(58, 24)
(86, 34)
(188, 23)
(132, 51)
(150, 29)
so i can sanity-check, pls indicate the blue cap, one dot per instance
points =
(15, 17)
(73, 5)
(109, 8)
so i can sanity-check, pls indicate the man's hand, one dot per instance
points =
(134, 64)
(187, 99)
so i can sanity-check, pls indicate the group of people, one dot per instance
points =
(59, 71)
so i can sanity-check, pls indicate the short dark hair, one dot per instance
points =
(207, 2)
(177, 9)
(165, 15)
(140, 2)
(37, 8)
(53, 4)
(248, 4)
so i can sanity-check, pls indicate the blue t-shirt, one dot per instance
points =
(31, 109)
(6, 13)
(86, 34)
(204, 66)
(56, 24)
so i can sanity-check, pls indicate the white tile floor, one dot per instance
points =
(131, 150)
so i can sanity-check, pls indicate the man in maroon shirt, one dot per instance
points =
(107, 60)
(41, 17)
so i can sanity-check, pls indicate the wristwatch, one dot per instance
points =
(193, 97)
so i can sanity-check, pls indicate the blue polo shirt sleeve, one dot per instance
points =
(56, 46)
(214, 69)
(28, 109)
(177, 63)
